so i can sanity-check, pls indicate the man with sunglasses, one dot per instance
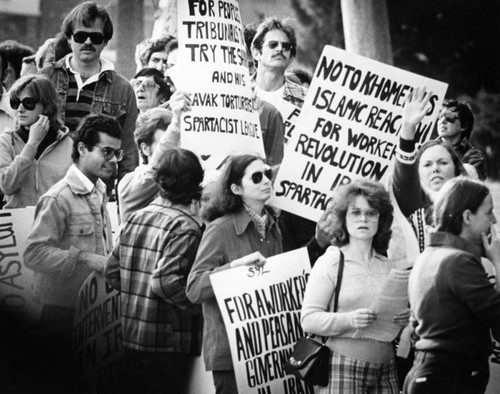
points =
(273, 48)
(87, 82)
(454, 127)
(71, 237)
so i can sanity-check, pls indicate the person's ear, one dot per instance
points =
(466, 217)
(236, 189)
(82, 149)
(145, 149)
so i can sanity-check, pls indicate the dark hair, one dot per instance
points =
(456, 196)
(457, 161)
(249, 31)
(13, 52)
(273, 23)
(42, 90)
(233, 173)
(302, 75)
(159, 79)
(465, 115)
(156, 45)
(377, 197)
(172, 45)
(147, 124)
(86, 13)
(88, 131)
(179, 175)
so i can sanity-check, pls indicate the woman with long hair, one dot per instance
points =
(37, 154)
(245, 232)
(454, 305)
(363, 215)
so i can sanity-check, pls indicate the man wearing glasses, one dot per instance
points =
(87, 82)
(273, 48)
(71, 235)
(454, 127)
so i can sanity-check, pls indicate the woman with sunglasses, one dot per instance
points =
(245, 233)
(37, 154)
(456, 310)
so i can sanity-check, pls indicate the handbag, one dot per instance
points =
(310, 359)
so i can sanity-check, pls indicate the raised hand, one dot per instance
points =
(414, 110)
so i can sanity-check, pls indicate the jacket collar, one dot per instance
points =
(107, 67)
(442, 238)
(242, 220)
(77, 186)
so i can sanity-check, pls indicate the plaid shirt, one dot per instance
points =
(150, 265)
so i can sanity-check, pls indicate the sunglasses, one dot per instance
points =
(29, 103)
(81, 36)
(285, 45)
(108, 153)
(449, 119)
(147, 85)
(258, 176)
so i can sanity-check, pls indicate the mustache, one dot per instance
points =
(87, 48)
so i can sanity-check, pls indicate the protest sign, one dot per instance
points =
(348, 128)
(16, 281)
(212, 57)
(97, 341)
(261, 312)
(290, 114)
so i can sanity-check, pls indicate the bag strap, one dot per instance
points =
(340, 274)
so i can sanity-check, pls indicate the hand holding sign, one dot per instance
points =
(255, 258)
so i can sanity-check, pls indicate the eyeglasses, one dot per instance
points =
(258, 176)
(147, 85)
(29, 103)
(109, 153)
(81, 36)
(285, 45)
(370, 214)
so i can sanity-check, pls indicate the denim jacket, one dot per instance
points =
(114, 96)
(68, 219)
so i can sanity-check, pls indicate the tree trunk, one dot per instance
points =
(366, 29)
(165, 19)
(129, 32)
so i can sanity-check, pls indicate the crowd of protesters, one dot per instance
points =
(75, 133)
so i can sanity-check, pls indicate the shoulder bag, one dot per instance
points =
(310, 359)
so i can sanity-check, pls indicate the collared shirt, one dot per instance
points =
(106, 65)
(113, 95)
(453, 302)
(150, 265)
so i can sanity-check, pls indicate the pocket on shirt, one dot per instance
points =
(81, 228)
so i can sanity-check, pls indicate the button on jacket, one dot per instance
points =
(68, 219)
